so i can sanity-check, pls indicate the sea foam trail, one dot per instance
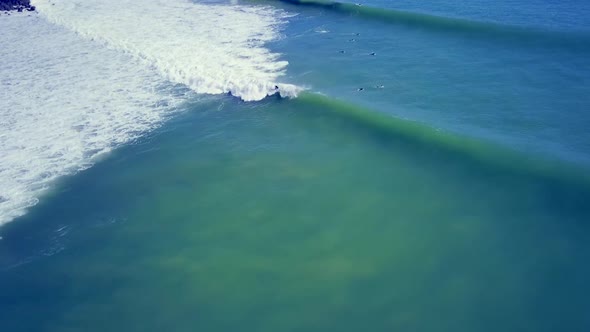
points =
(63, 102)
(212, 49)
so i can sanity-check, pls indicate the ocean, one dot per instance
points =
(295, 165)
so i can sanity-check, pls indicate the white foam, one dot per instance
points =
(63, 102)
(210, 48)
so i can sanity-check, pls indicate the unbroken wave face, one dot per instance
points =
(212, 49)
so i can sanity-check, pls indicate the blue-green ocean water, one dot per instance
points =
(449, 194)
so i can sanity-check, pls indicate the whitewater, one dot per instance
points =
(83, 77)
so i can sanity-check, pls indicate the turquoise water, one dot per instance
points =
(453, 198)
(520, 87)
(300, 219)
(553, 14)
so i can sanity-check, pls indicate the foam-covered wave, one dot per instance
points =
(212, 49)
(464, 27)
(63, 102)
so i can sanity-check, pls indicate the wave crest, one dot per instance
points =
(212, 49)
(575, 40)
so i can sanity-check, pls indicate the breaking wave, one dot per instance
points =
(83, 77)
(212, 49)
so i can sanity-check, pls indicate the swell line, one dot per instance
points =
(463, 27)
(419, 137)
